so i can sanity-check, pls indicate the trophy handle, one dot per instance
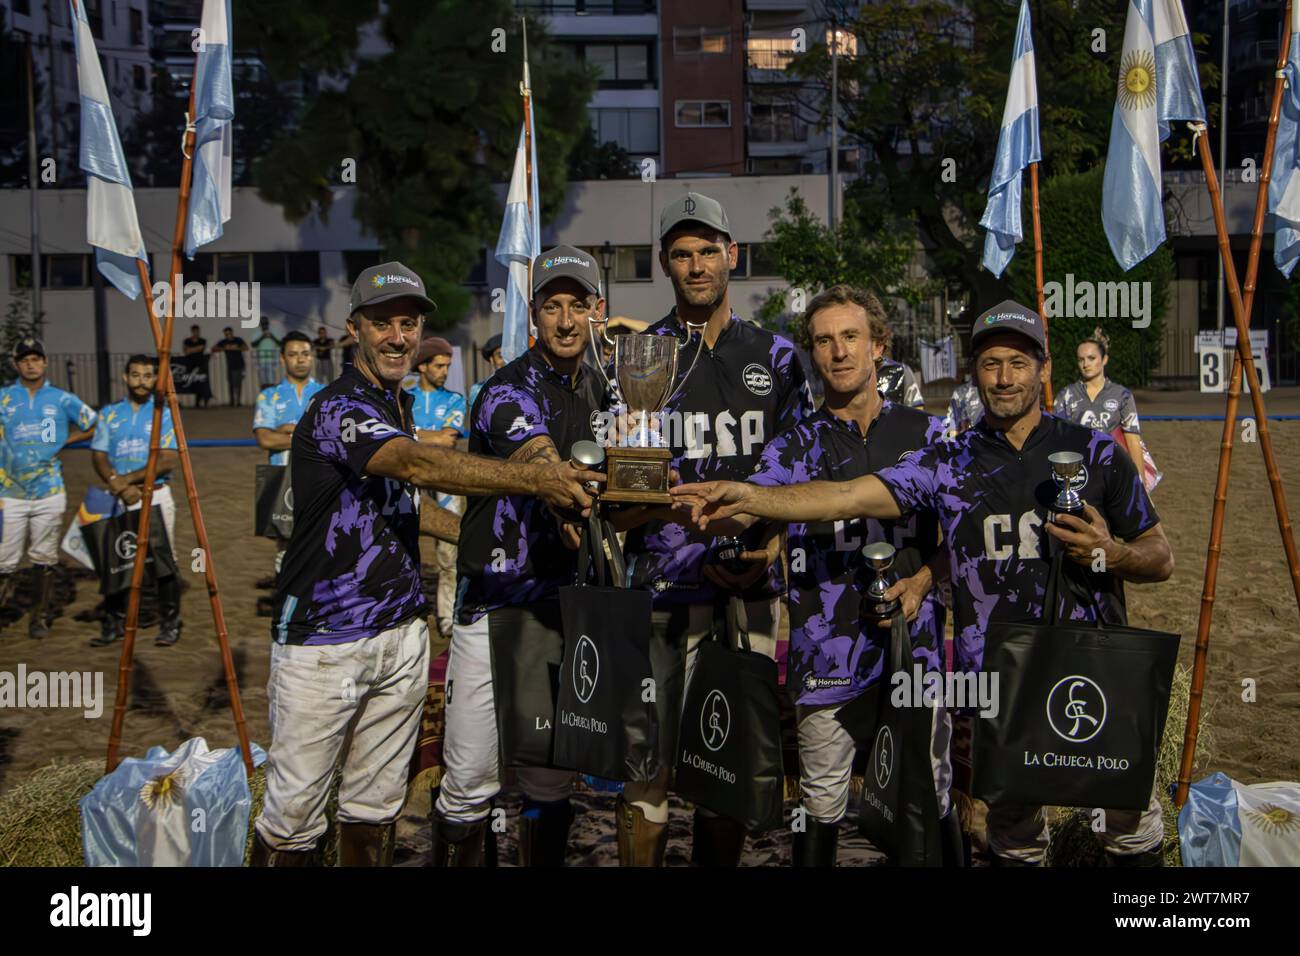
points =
(692, 328)
(598, 326)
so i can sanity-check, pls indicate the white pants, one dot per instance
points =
(470, 754)
(1019, 832)
(446, 557)
(162, 497)
(33, 523)
(826, 761)
(361, 702)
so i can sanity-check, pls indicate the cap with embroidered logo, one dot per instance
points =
(385, 282)
(693, 207)
(1009, 316)
(566, 262)
(28, 345)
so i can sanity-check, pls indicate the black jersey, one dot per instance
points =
(510, 549)
(742, 393)
(991, 500)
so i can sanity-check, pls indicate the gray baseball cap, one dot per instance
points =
(1009, 316)
(387, 281)
(566, 262)
(693, 207)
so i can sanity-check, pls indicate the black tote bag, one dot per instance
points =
(527, 648)
(606, 723)
(111, 544)
(1083, 708)
(273, 502)
(729, 746)
(898, 811)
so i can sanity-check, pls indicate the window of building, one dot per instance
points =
(633, 264)
(140, 77)
(234, 267)
(689, 41)
(774, 118)
(356, 260)
(57, 272)
(710, 113)
(769, 53)
(636, 130)
(848, 41)
(619, 63)
(742, 261)
(762, 264)
(23, 7)
(95, 17)
(137, 27)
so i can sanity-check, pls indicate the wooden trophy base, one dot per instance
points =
(637, 476)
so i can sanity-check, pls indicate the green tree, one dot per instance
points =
(13, 106)
(1074, 245)
(592, 159)
(426, 129)
(922, 97)
(865, 250)
(17, 324)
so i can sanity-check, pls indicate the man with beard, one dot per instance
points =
(746, 388)
(835, 652)
(515, 555)
(280, 406)
(349, 663)
(990, 490)
(37, 421)
(120, 452)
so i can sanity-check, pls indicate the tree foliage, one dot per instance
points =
(430, 126)
(1074, 244)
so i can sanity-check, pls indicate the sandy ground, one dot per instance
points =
(179, 692)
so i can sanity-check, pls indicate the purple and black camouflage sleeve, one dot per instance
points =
(783, 462)
(1129, 510)
(796, 398)
(508, 418)
(914, 481)
(349, 431)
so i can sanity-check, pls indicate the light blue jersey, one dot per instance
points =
(123, 434)
(33, 430)
(282, 405)
(439, 408)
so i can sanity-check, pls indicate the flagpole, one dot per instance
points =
(165, 391)
(1038, 268)
(526, 90)
(1214, 549)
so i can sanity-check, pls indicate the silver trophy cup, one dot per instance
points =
(1067, 466)
(645, 379)
(880, 558)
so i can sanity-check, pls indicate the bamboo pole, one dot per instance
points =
(165, 391)
(1038, 267)
(1214, 550)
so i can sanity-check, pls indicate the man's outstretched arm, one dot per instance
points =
(812, 501)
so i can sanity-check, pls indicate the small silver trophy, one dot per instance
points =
(645, 370)
(1066, 467)
(880, 558)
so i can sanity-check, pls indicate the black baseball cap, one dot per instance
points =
(490, 346)
(566, 262)
(693, 207)
(30, 345)
(1009, 316)
(387, 281)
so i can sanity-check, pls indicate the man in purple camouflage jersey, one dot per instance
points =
(991, 489)
(349, 665)
(515, 555)
(746, 388)
(834, 653)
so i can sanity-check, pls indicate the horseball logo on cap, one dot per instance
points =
(997, 317)
(715, 720)
(586, 668)
(379, 281)
(124, 545)
(1076, 708)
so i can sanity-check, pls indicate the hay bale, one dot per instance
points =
(40, 821)
(1073, 842)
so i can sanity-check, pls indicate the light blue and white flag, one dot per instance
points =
(519, 242)
(1158, 85)
(1018, 146)
(1284, 186)
(112, 227)
(214, 112)
(1226, 823)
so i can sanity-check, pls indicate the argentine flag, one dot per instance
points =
(1284, 186)
(1018, 146)
(1158, 84)
(1226, 823)
(214, 110)
(112, 226)
(519, 242)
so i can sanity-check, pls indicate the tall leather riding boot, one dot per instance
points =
(42, 582)
(8, 584)
(953, 842)
(112, 627)
(263, 855)
(816, 845)
(544, 832)
(457, 844)
(718, 841)
(367, 844)
(169, 611)
(641, 842)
